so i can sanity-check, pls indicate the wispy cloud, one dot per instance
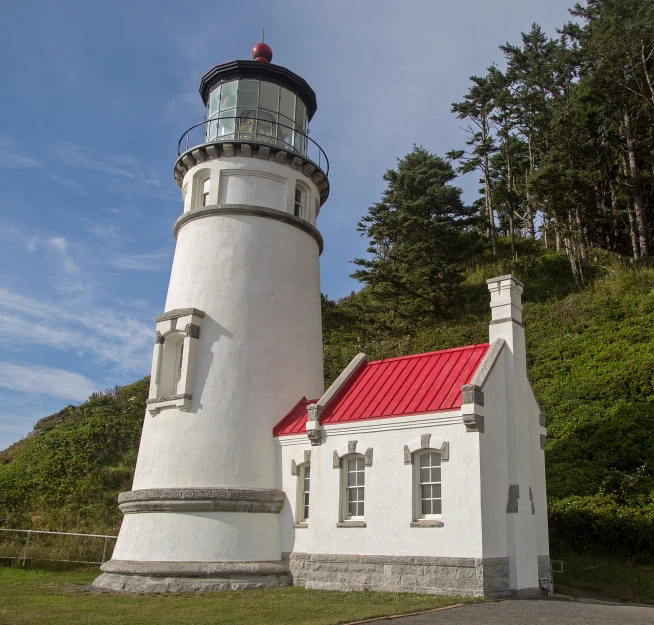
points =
(153, 261)
(57, 246)
(69, 183)
(102, 231)
(124, 173)
(108, 336)
(14, 159)
(43, 380)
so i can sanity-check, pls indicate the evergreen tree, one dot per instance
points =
(419, 236)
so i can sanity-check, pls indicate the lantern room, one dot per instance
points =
(257, 101)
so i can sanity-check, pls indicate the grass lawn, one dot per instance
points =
(605, 577)
(59, 598)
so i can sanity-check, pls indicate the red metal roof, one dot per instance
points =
(394, 387)
(296, 420)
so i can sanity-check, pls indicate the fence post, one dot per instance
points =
(104, 549)
(27, 542)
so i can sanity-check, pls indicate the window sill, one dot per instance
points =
(298, 526)
(351, 524)
(182, 401)
(427, 523)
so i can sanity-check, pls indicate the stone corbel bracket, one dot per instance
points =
(352, 447)
(298, 461)
(426, 442)
(173, 327)
(472, 395)
(314, 411)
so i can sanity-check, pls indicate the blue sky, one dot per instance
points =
(96, 95)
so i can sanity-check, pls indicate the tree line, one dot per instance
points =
(562, 141)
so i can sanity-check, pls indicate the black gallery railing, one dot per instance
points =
(257, 130)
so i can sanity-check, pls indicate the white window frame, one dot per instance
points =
(206, 187)
(345, 488)
(417, 486)
(299, 208)
(301, 516)
(199, 198)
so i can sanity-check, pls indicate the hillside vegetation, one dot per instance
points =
(591, 360)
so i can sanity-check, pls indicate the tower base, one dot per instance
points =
(132, 576)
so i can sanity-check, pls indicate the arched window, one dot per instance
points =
(353, 490)
(298, 206)
(427, 489)
(202, 189)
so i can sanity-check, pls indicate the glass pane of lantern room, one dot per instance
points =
(287, 104)
(269, 97)
(214, 102)
(246, 123)
(301, 115)
(228, 125)
(266, 125)
(248, 93)
(228, 95)
(285, 131)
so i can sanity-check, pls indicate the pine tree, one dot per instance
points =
(419, 237)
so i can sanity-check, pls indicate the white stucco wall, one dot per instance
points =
(523, 455)
(198, 537)
(247, 180)
(260, 349)
(494, 462)
(389, 491)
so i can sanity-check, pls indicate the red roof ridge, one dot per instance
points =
(439, 351)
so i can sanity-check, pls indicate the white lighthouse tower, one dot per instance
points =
(238, 342)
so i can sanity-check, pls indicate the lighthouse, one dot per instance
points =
(238, 342)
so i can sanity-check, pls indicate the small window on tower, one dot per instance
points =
(178, 363)
(298, 209)
(205, 192)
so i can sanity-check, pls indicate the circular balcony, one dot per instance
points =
(233, 135)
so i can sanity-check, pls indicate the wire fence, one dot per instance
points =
(22, 546)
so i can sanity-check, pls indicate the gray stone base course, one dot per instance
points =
(136, 576)
(143, 583)
(421, 574)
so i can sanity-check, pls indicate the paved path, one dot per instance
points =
(536, 612)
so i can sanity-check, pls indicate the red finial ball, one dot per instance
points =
(262, 52)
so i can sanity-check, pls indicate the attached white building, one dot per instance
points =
(423, 473)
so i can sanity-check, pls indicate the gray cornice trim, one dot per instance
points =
(252, 149)
(194, 569)
(159, 400)
(508, 276)
(176, 313)
(247, 209)
(487, 364)
(225, 499)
